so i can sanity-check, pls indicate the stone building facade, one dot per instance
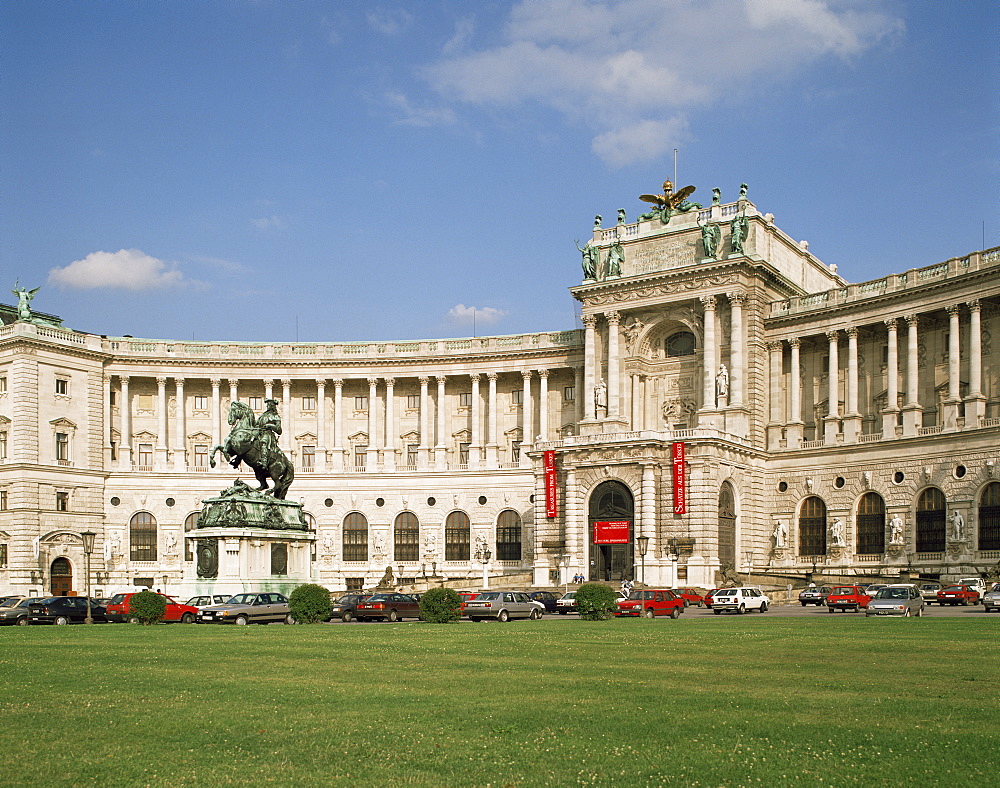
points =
(822, 423)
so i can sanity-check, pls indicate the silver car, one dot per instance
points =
(899, 600)
(991, 599)
(501, 605)
(260, 607)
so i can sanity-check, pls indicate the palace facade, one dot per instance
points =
(731, 404)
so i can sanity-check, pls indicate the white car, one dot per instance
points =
(208, 599)
(739, 600)
(566, 603)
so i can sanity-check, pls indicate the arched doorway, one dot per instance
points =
(612, 514)
(727, 525)
(61, 577)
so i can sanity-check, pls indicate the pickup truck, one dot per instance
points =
(847, 598)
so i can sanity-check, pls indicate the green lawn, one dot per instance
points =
(753, 701)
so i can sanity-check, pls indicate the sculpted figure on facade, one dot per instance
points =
(957, 527)
(600, 397)
(24, 297)
(722, 381)
(739, 227)
(591, 257)
(837, 533)
(616, 256)
(668, 203)
(710, 237)
(780, 534)
(254, 441)
(896, 530)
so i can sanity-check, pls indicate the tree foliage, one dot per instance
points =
(596, 602)
(310, 604)
(147, 607)
(441, 606)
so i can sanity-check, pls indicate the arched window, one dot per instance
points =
(509, 536)
(406, 537)
(190, 523)
(871, 524)
(680, 344)
(457, 535)
(142, 537)
(930, 521)
(727, 524)
(355, 537)
(989, 517)
(812, 527)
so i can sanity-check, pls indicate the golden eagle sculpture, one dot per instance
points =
(668, 203)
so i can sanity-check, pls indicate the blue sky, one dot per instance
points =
(344, 171)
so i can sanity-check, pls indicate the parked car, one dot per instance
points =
(896, 600)
(707, 596)
(466, 597)
(250, 608)
(973, 582)
(958, 595)
(15, 610)
(991, 599)
(388, 606)
(691, 596)
(928, 590)
(874, 588)
(739, 600)
(63, 610)
(547, 598)
(566, 603)
(346, 607)
(119, 610)
(205, 600)
(847, 598)
(814, 595)
(652, 602)
(502, 605)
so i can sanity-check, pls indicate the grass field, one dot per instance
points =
(754, 701)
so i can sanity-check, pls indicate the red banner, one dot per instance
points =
(680, 481)
(551, 505)
(612, 531)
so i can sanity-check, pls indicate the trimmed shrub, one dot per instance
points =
(596, 602)
(309, 604)
(147, 607)
(441, 606)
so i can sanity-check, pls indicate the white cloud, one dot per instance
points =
(411, 115)
(621, 66)
(464, 29)
(644, 141)
(462, 315)
(390, 21)
(127, 269)
(269, 223)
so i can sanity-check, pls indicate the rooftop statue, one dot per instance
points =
(24, 297)
(591, 257)
(254, 441)
(668, 203)
(616, 256)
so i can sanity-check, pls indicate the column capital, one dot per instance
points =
(233, 381)
(613, 317)
(161, 380)
(267, 381)
(774, 344)
(543, 373)
(833, 335)
(953, 309)
(123, 379)
(321, 382)
(179, 380)
(890, 323)
(492, 376)
(424, 380)
(795, 343)
(440, 379)
(390, 382)
(737, 297)
(216, 382)
(707, 302)
(974, 305)
(589, 321)
(286, 382)
(475, 377)
(911, 320)
(852, 331)
(526, 374)
(372, 382)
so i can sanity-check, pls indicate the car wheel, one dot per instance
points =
(675, 613)
(241, 621)
(60, 620)
(502, 616)
(717, 612)
(562, 612)
(649, 613)
(133, 619)
(393, 616)
(346, 616)
(742, 610)
(763, 607)
(920, 611)
(289, 620)
(536, 615)
(804, 604)
(22, 621)
(187, 618)
(477, 619)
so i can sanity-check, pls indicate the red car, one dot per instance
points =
(847, 598)
(389, 606)
(691, 596)
(118, 610)
(708, 597)
(958, 595)
(651, 602)
(467, 596)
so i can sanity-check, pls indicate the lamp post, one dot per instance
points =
(642, 542)
(88, 548)
(483, 554)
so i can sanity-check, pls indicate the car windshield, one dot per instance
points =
(641, 595)
(725, 593)
(842, 590)
(892, 593)
(487, 597)
(953, 588)
(242, 599)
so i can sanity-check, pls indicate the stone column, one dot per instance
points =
(737, 371)
(106, 449)
(975, 403)
(180, 428)
(614, 365)
(216, 414)
(527, 412)
(543, 404)
(710, 360)
(647, 526)
(912, 410)
(475, 449)
(125, 406)
(890, 416)
(389, 457)
(491, 421)
(371, 458)
(793, 432)
(831, 426)
(440, 448)
(572, 538)
(636, 403)
(268, 389)
(852, 419)
(579, 398)
(320, 425)
(338, 425)
(160, 458)
(775, 411)
(287, 419)
(424, 449)
(954, 372)
(234, 395)
(590, 368)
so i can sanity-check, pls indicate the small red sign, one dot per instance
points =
(680, 481)
(549, 464)
(612, 531)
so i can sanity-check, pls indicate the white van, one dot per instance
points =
(973, 582)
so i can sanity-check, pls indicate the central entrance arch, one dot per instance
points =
(61, 577)
(612, 520)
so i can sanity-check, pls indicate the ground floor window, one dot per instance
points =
(812, 527)
(509, 536)
(406, 537)
(457, 537)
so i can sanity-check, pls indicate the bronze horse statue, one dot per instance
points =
(247, 443)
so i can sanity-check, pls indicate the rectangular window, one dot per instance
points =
(256, 403)
(114, 397)
(3, 384)
(201, 455)
(361, 403)
(308, 403)
(517, 397)
(413, 401)
(885, 354)
(463, 453)
(62, 386)
(569, 394)
(62, 448)
(3, 555)
(411, 454)
(308, 457)
(360, 457)
(3, 499)
(62, 501)
(144, 456)
(465, 399)
(114, 450)
(200, 402)
(515, 451)
(3, 446)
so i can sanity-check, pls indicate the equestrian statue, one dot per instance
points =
(255, 442)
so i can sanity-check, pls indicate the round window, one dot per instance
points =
(680, 344)
(959, 471)
(898, 477)
(482, 500)
(782, 486)
(839, 482)
(431, 501)
(380, 501)
(170, 501)
(115, 501)
(328, 502)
